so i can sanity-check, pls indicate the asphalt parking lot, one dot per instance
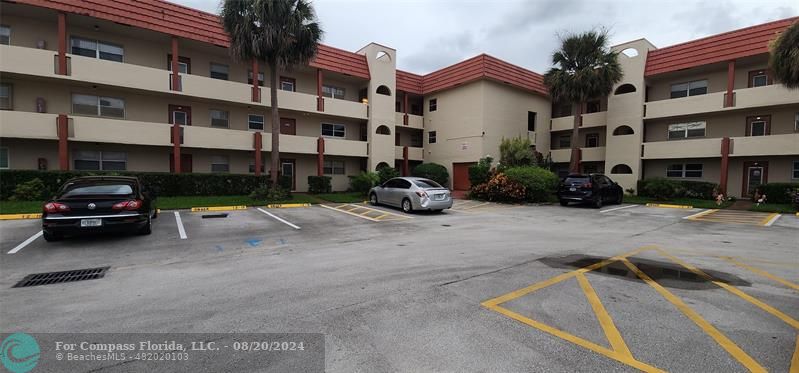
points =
(481, 287)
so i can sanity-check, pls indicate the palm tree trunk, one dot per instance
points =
(275, 153)
(574, 165)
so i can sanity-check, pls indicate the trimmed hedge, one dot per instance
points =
(432, 171)
(539, 184)
(364, 181)
(779, 192)
(319, 184)
(165, 184)
(667, 188)
(387, 173)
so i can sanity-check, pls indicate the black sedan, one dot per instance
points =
(95, 204)
(596, 189)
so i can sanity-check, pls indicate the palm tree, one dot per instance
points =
(784, 59)
(584, 69)
(283, 33)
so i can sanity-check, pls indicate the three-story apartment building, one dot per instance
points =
(150, 86)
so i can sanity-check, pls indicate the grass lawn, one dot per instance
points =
(784, 208)
(168, 203)
(698, 203)
(347, 197)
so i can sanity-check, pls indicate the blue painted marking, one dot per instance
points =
(281, 241)
(219, 248)
(253, 242)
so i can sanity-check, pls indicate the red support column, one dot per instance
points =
(725, 165)
(405, 109)
(62, 129)
(405, 167)
(729, 98)
(257, 147)
(320, 157)
(176, 147)
(62, 44)
(256, 89)
(175, 67)
(320, 101)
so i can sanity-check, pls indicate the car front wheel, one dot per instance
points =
(406, 206)
(564, 202)
(373, 198)
(598, 202)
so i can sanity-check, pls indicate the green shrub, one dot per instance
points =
(386, 173)
(481, 172)
(779, 192)
(432, 171)
(319, 184)
(516, 152)
(659, 188)
(269, 193)
(500, 189)
(681, 188)
(363, 182)
(539, 184)
(31, 190)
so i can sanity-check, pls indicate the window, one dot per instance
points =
(692, 170)
(592, 140)
(260, 78)
(220, 163)
(102, 106)
(697, 87)
(758, 78)
(795, 174)
(184, 64)
(531, 121)
(624, 89)
(7, 97)
(100, 160)
(621, 169)
(255, 122)
(219, 71)
(432, 104)
(252, 167)
(5, 35)
(288, 84)
(383, 90)
(431, 137)
(796, 123)
(332, 91)
(333, 130)
(623, 130)
(564, 141)
(592, 107)
(758, 128)
(97, 49)
(333, 168)
(561, 109)
(383, 130)
(686, 130)
(219, 118)
(4, 160)
(416, 139)
(180, 117)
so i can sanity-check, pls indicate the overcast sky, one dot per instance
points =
(431, 34)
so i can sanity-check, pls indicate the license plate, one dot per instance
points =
(572, 189)
(91, 222)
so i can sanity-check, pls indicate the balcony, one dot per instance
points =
(787, 144)
(26, 125)
(217, 138)
(588, 155)
(674, 149)
(597, 119)
(769, 95)
(93, 129)
(414, 154)
(344, 108)
(685, 105)
(414, 121)
(349, 148)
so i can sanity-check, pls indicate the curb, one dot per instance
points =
(20, 216)
(218, 208)
(668, 206)
(287, 205)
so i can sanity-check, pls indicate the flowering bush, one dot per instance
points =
(500, 189)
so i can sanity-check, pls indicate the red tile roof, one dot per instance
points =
(185, 22)
(409, 82)
(730, 45)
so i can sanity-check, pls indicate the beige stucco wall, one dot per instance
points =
(23, 154)
(505, 116)
(583, 133)
(660, 88)
(727, 124)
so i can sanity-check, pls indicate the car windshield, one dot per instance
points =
(576, 180)
(425, 183)
(80, 190)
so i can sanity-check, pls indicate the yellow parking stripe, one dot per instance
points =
(728, 345)
(611, 332)
(768, 218)
(795, 359)
(218, 208)
(761, 272)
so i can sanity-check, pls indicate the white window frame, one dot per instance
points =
(685, 127)
(8, 157)
(249, 121)
(211, 70)
(100, 160)
(764, 75)
(97, 44)
(185, 117)
(334, 167)
(218, 157)
(332, 90)
(337, 127)
(796, 123)
(684, 171)
(432, 105)
(432, 137)
(10, 88)
(3, 28)
(794, 171)
(99, 109)
(261, 78)
(227, 118)
(752, 127)
(593, 135)
(287, 80)
(688, 88)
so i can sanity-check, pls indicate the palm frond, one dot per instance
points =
(784, 58)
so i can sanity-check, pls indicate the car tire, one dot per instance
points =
(437, 211)
(51, 237)
(620, 200)
(564, 202)
(598, 202)
(373, 199)
(155, 214)
(407, 206)
(146, 229)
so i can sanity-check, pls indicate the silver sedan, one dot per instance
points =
(411, 193)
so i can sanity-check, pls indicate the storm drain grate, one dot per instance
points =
(50, 278)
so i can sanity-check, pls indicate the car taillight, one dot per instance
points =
(55, 207)
(133, 204)
(421, 193)
(587, 186)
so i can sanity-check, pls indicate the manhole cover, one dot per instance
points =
(50, 278)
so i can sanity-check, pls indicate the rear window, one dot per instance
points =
(577, 180)
(78, 190)
(424, 183)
